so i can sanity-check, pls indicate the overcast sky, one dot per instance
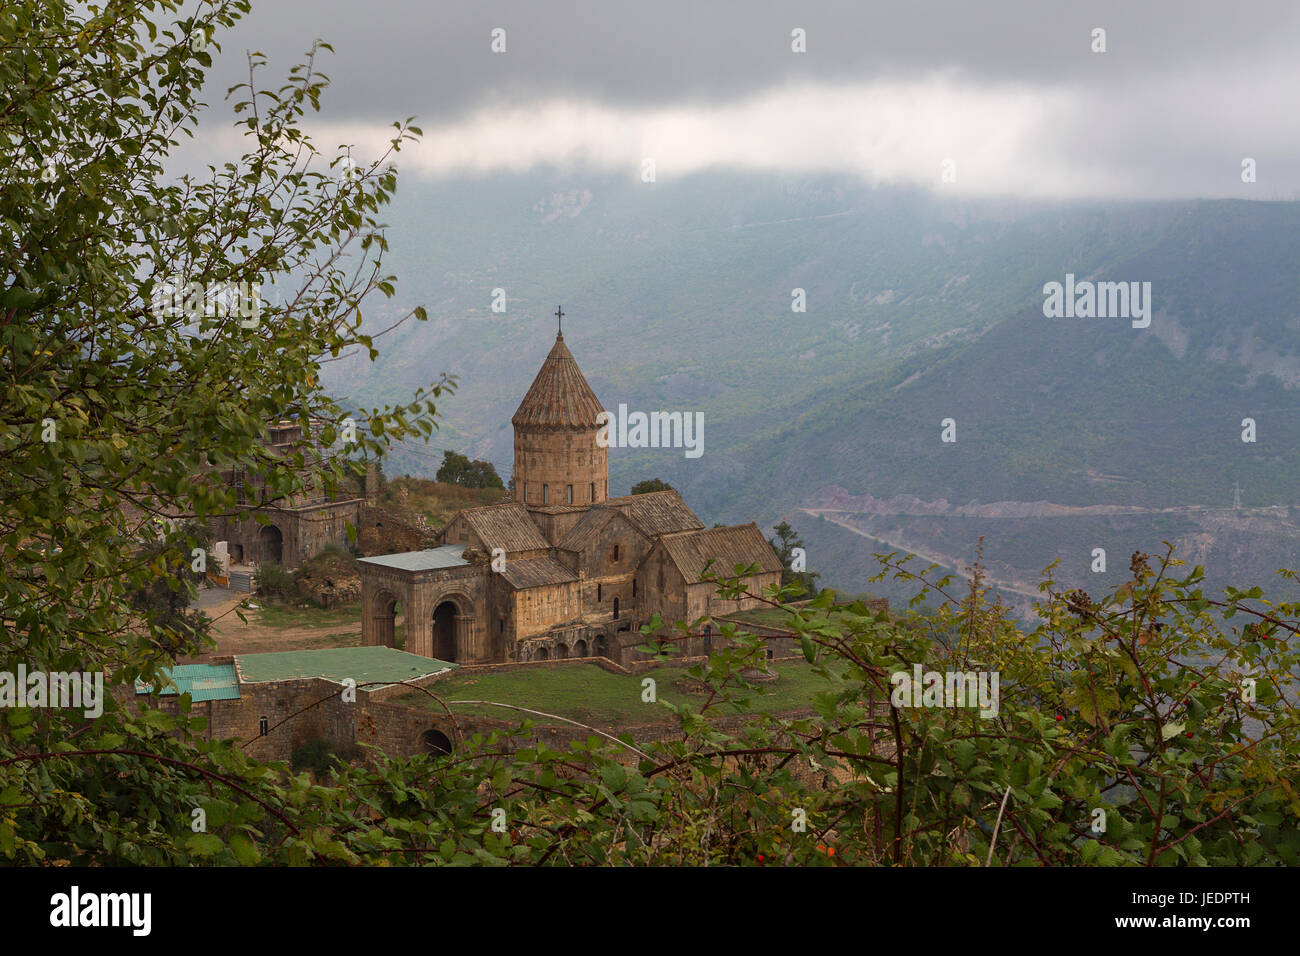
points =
(1011, 93)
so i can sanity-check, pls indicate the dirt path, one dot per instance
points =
(252, 637)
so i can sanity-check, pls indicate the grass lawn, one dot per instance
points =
(340, 639)
(586, 693)
(284, 615)
(769, 616)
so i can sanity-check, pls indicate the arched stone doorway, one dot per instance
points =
(444, 631)
(435, 742)
(270, 544)
(580, 648)
(541, 654)
(387, 617)
(602, 646)
(561, 652)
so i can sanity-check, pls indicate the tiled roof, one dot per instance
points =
(446, 556)
(659, 512)
(536, 572)
(744, 544)
(201, 681)
(506, 525)
(559, 396)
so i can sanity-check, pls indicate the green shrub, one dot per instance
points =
(272, 580)
(319, 756)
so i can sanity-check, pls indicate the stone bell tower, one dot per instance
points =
(557, 460)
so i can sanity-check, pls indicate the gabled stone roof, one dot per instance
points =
(582, 534)
(588, 526)
(744, 544)
(536, 572)
(659, 512)
(559, 396)
(507, 525)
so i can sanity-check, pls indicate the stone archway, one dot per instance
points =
(435, 742)
(270, 544)
(561, 652)
(445, 624)
(580, 648)
(541, 654)
(385, 615)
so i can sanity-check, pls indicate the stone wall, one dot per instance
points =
(291, 536)
(664, 587)
(606, 580)
(383, 531)
(300, 711)
(534, 610)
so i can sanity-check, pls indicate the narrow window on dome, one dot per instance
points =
(570, 494)
(593, 491)
(546, 494)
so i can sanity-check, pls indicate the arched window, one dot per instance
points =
(599, 596)
(593, 491)
(634, 587)
(615, 552)
(570, 494)
(263, 726)
(546, 494)
(616, 609)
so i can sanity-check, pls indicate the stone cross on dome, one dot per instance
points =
(559, 314)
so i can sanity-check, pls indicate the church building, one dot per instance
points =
(559, 569)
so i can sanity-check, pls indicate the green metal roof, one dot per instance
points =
(446, 556)
(362, 664)
(200, 681)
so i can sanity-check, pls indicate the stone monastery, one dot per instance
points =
(560, 569)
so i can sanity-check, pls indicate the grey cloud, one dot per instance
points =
(431, 59)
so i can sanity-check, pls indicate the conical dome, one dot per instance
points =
(559, 396)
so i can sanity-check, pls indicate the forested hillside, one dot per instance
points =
(678, 296)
